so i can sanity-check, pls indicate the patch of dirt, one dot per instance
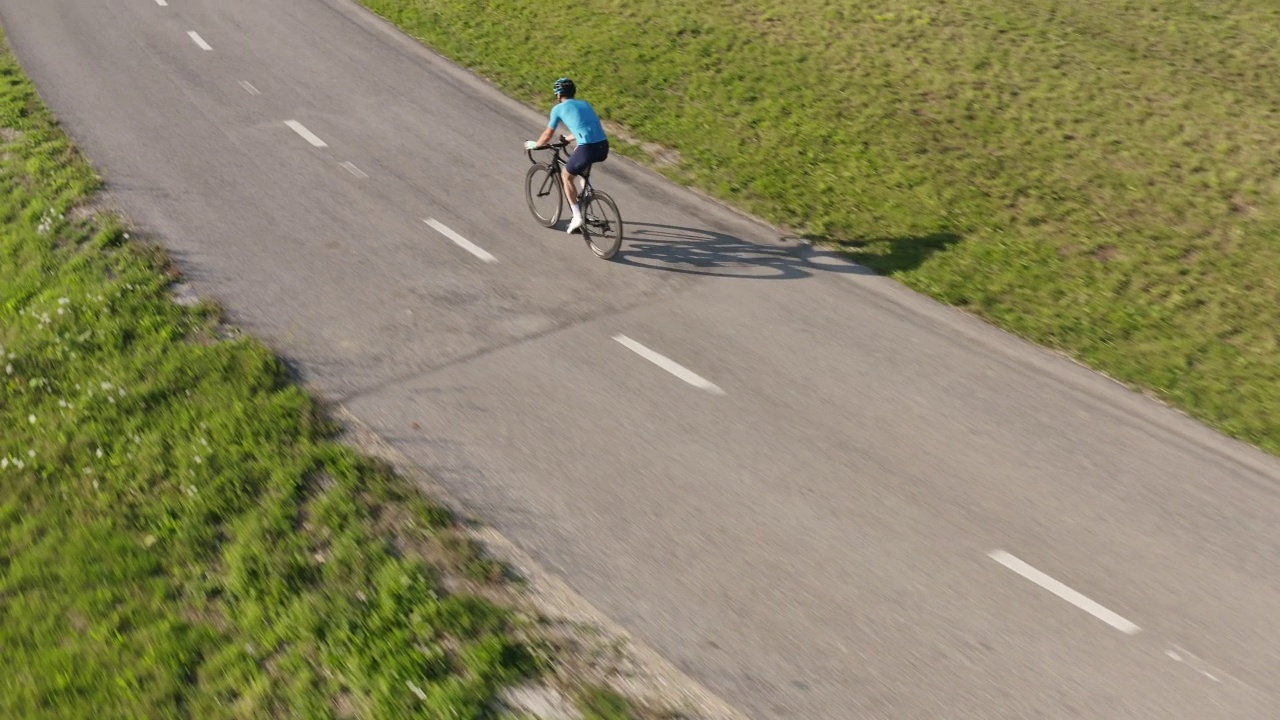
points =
(1241, 206)
(545, 703)
(344, 706)
(78, 620)
(1106, 254)
(659, 154)
(86, 212)
(183, 295)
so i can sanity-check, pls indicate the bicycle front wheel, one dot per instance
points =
(602, 226)
(543, 192)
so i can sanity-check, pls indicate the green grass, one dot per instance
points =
(180, 533)
(1100, 176)
(599, 703)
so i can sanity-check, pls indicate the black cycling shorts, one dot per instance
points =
(585, 155)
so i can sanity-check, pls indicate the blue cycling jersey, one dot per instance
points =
(581, 120)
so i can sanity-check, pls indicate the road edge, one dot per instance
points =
(660, 680)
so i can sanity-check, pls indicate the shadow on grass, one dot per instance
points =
(889, 256)
(692, 251)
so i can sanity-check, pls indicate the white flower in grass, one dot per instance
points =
(63, 301)
(31, 452)
(4, 463)
(31, 419)
(199, 460)
(99, 452)
(8, 368)
(62, 403)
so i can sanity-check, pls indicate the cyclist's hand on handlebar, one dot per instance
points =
(530, 144)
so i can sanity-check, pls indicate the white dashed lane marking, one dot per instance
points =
(305, 133)
(351, 168)
(1063, 592)
(669, 365)
(460, 241)
(199, 41)
(249, 88)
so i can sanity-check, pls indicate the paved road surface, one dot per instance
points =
(813, 524)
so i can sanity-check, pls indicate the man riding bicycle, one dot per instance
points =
(585, 128)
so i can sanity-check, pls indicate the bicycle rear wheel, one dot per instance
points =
(602, 226)
(544, 194)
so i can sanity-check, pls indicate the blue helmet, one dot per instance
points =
(564, 86)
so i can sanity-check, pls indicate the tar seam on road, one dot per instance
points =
(305, 133)
(1064, 592)
(460, 241)
(199, 41)
(351, 168)
(249, 88)
(669, 365)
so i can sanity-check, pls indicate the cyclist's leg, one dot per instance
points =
(571, 183)
(579, 161)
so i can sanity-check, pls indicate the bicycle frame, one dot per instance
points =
(559, 158)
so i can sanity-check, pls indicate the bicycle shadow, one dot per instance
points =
(690, 251)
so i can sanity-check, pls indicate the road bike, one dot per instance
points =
(602, 224)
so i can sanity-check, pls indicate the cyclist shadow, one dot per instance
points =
(705, 252)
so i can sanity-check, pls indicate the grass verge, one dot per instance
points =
(1102, 177)
(180, 533)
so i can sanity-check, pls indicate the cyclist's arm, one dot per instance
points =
(552, 122)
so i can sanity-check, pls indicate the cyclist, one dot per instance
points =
(585, 129)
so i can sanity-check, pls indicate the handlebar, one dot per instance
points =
(563, 142)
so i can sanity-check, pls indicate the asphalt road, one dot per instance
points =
(859, 505)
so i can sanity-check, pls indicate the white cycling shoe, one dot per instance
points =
(574, 225)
